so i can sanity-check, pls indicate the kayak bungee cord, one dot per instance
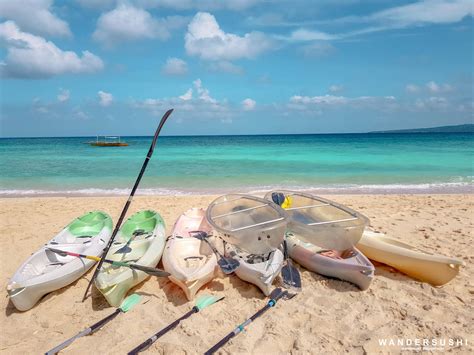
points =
(126, 305)
(201, 303)
(277, 294)
(149, 270)
(127, 204)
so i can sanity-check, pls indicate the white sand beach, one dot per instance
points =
(328, 316)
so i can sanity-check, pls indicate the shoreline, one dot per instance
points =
(391, 189)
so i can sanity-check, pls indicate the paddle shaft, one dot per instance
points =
(147, 269)
(163, 331)
(241, 327)
(93, 328)
(95, 258)
(129, 201)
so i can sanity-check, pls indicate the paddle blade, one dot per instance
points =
(124, 250)
(207, 300)
(275, 294)
(129, 302)
(228, 265)
(291, 277)
(150, 270)
(162, 122)
(201, 235)
(278, 198)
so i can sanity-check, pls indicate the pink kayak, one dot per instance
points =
(350, 265)
(190, 261)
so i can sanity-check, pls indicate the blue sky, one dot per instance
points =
(86, 67)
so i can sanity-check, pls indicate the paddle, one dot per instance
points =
(149, 270)
(127, 304)
(227, 265)
(127, 204)
(289, 273)
(126, 248)
(274, 297)
(201, 303)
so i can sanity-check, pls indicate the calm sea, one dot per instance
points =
(359, 163)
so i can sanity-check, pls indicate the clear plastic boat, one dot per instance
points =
(253, 224)
(318, 221)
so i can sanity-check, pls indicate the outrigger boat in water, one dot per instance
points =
(322, 234)
(437, 270)
(190, 261)
(141, 240)
(108, 141)
(46, 271)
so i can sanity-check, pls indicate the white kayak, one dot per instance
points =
(45, 271)
(350, 265)
(434, 269)
(190, 261)
(258, 269)
(140, 240)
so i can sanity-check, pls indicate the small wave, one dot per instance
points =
(438, 187)
(89, 192)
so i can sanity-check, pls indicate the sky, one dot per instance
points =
(87, 67)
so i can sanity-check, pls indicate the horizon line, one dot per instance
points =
(393, 131)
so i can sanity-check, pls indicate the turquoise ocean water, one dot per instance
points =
(359, 163)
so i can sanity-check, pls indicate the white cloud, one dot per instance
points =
(197, 100)
(249, 104)
(64, 95)
(436, 88)
(205, 39)
(425, 12)
(188, 95)
(30, 56)
(432, 103)
(421, 13)
(80, 115)
(412, 88)
(34, 16)
(202, 92)
(304, 35)
(326, 101)
(175, 66)
(225, 67)
(129, 23)
(105, 98)
(433, 87)
(318, 49)
(236, 5)
(336, 88)
(96, 4)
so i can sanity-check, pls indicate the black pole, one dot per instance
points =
(127, 204)
(271, 303)
(147, 343)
